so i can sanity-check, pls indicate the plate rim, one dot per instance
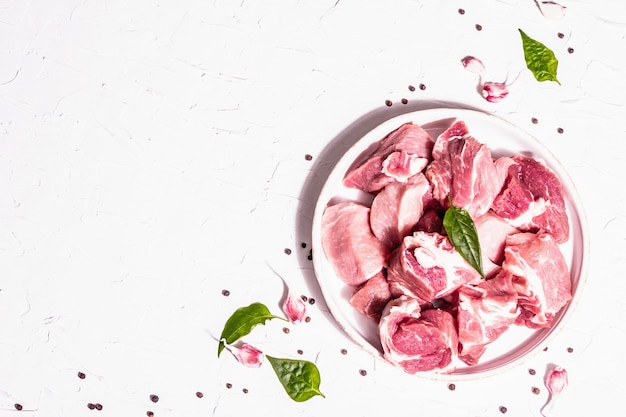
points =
(436, 114)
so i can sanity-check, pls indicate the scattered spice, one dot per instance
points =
(81, 375)
(570, 350)
(422, 87)
(307, 319)
(479, 27)
(534, 120)
(311, 300)
(229, 385)
(503, 409)
(98, 406)
(388, 103)
(304, 298)
(149, 413)
(154, 398)
(451, 387)
(310, 257)
(536, 390)
(287, 251)
(570, 50)
(300, 351)
(461, 11)
(560, 130)
(286, 330)
(532, 371)
(561, 35)
(545, 349)
(344, 351)
(308, 157)
(303, 245)
(245, 390)
(199, 394)
(404, 101)
(18, 406)
(411, 88)
(225, 293)
(91, 406)
(363, 372)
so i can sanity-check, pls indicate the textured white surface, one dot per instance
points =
(152, 154)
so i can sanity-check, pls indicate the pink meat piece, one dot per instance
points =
(372, 296)
(427, 266)
(492, 233)
(416, 340)
(463, 170)
(397, 208)
(349, 244)
(532, 199)
(401, 154)
(485, 311)
(540, 276)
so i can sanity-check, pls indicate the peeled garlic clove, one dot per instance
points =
(556, 381)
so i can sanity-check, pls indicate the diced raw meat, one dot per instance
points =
(492, 233)
(485, 311)
(540, 276)
(372, 296)
(349, 244)
(397, 209)
(399, 155)
(463, 170)
(418, 341)
(532, 199)
(426, 266)
(431, 221)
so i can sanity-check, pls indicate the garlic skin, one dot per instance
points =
(494, 92)
(551, 9)
(294, 308)
(475, 65)
(246, 354)
(556, 381)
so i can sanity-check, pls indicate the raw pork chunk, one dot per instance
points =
(349, 244)
(492, 233)
(463, 170)
(397, 209)
(540, 276)
(532, 198)
(485, 311)
(416, 340)
(371, 297)
(398, 156)
(427, 266)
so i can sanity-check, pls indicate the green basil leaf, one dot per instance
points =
(540, 59)
(301, 379)
(463, 235)
(242, 321)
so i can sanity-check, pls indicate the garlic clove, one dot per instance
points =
(494, 92)
(295, 308)
(246, 354)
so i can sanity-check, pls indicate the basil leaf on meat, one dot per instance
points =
(242, 321)
(540, 59)
(463, 235)
(301, 379)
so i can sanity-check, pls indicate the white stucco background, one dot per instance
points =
(153, 154)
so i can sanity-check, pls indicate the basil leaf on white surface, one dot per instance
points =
(301, 379)
(242, 321)
(463, 235)
(540, 59)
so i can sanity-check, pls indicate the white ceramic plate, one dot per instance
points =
(503, 139)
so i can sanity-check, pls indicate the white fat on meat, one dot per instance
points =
(418, 340)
